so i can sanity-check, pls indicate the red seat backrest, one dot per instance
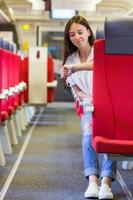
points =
(50, 70)
(17, 77)
(50, 78)
(113, 88)
(24, 76)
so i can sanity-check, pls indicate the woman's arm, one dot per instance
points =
(82, 66)
(66, 70)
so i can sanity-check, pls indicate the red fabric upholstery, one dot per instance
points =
(113, 101)
(24, 77)
(11, 110)
(17, 79)
(0, 78)
(80, 111)
(4, 83)
(50, 78)
(5, 69)
(50, 71)
(11, 99)
(3, 114)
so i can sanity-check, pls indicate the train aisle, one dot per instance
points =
(51, 167)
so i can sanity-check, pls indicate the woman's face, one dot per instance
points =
(79, 35)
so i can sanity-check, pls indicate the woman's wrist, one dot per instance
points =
(73, 69)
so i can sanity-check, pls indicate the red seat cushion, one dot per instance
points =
(113, 146)
(10, 110)
(4, 116)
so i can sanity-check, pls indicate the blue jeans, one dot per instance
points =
(90, 157)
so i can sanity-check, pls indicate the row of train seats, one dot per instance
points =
(12, 88)
(113, 89)
(15, 110)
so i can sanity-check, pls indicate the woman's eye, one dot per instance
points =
(71, 35)
(80, 32)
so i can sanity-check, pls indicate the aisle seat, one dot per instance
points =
(24, 80)
(6, 75)
(24, 76)
(11, 97)
(4, 115)
(3, 94)
(16, 80)
(23, 87)
(18, 90)
(5, 86)
(113, 88)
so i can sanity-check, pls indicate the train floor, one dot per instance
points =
(47, 162)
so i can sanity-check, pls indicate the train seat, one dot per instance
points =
(6, 76)
(4, 115)
(4, 79)
(51, 82)
(7, 104)
(24, 80)
(113, 88)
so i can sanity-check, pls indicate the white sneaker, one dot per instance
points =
(92, 191)
(105, 192)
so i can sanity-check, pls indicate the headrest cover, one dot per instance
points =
(100, 33)
(119, 35)
(5, 45)
(1, 42)
(11, 47)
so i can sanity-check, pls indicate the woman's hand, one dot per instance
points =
(66, 70)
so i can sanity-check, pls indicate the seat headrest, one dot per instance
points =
(1, 42)
(100, 33)
(11, 47)
(119, 35)
(5, 45)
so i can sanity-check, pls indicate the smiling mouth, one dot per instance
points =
(78, 42)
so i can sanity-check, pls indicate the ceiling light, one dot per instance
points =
(86, 5)
(37, 4)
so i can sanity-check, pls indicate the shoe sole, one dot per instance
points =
(91, 197)
(105, 198)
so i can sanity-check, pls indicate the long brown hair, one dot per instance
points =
(69, 48)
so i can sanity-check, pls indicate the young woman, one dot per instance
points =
(77, 70)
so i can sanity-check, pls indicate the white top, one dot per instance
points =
(83, 79)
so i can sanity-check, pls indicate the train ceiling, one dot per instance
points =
(12, 10)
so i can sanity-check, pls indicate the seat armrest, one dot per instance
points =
(22, 86)
(17, 89)
(11, 91)
(4, 94)
(52, 84)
